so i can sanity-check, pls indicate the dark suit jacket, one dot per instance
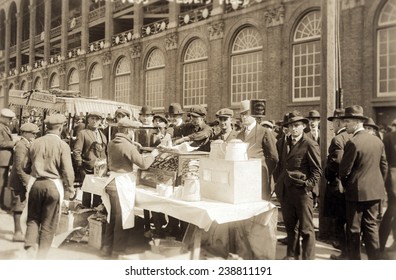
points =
(6, 146)
(363, 168)
(303, 159)
(390, 151)
(262, 145)
(19, 179)
(86, 150)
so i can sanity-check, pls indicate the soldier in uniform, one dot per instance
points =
(226, 133)
(52, 171)
(19, 179)
(6, 149)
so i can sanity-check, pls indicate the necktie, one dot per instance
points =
(293, 142)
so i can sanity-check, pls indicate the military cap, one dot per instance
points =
(123, 112)
(225, 112)
(7, 113)
(95, 114)
(55, 119)
(29, 127)
(197, 111)
(128, 123)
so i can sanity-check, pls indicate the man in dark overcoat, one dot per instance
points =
(362, 171)
(299, 173)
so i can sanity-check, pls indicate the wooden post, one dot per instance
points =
(328, 94)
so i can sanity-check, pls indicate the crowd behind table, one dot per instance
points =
(41, 168)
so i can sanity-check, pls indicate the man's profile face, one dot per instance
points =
(296, 129)
(246, 118)
(351, 125)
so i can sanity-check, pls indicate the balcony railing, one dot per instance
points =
(12, 72)
(12, 49)
(96, 46)
(235, 5)
(25, 44)
(39, 64)
(37, 39)
(25, 68)
(73, 53)
(119, 6)
(56, 31)
(122, 38)
(97, 14)
(74, 23)
(196, 15)
(154, 27)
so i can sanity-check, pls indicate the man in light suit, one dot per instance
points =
(362, 171)
(389, 220)
(91, 144)
(262, 145)
(297, 173)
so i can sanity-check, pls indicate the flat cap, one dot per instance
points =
(225, 112)
(55, 119)
(128, 123)
(122, 111)
(7, 113)
(29, 127)
(95, 114)
(267, 123)
(197, 111)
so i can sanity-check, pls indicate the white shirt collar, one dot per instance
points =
(357, 130)
(251, 126)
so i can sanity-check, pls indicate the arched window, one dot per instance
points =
(306, 58)
(386, 50)
(38, 83)
(246, 65)
(95, 81)
(122, 81)
(54, 82)
(195, 73)
(23, 85)
(155, 79)
(74, 81)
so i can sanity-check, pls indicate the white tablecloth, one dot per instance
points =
(201, 213)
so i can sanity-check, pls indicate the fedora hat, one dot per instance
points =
(175, 109)
(370, 122)
(146, 110)
(354, 112)
(295, 116)
(337, 114)
(313, 114)
(244, 106)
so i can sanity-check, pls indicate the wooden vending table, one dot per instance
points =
(202, 214)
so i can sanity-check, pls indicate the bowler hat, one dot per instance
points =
(354, 112)
(197, 111)
(244, 106)
(146, 110)
(95, 114)
(7, 113)
(55, 119)
(295, 116)
(175, 109)
(128, 123)
(122, 111)
(225, 112)
(370, 122)
(338, 113)
(313, 114)
(29, 127)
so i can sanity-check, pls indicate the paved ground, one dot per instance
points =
(72, 250)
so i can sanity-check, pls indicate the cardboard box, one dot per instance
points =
(96, 233)
(231, 181)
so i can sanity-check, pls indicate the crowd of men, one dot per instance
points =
(360, 171)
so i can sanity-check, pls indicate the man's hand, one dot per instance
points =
(155, 152)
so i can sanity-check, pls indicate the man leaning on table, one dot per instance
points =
(122, 155)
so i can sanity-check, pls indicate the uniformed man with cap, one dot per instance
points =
(90, 145)
(197, 130)
(226, 133)
(6, 149)
(52, 179)
(19, 179)
(123, 155)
